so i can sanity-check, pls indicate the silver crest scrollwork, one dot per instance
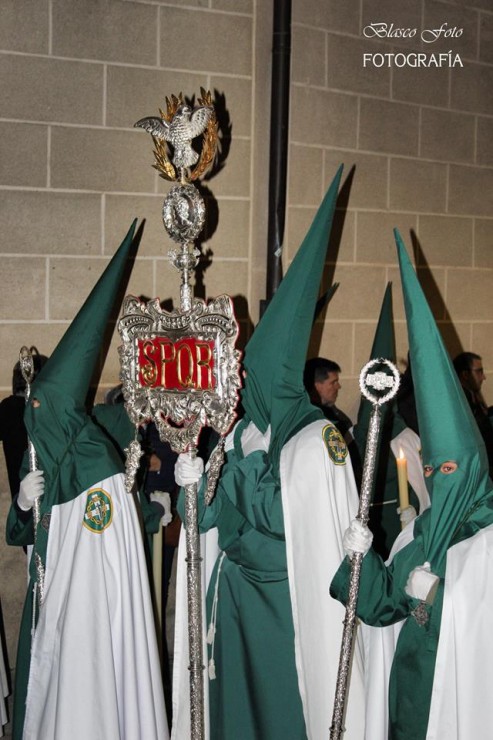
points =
(133, 455)
(187, 410)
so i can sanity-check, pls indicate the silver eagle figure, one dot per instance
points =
(186, 124)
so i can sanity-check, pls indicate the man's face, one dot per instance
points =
(472, 379)
(328, 389)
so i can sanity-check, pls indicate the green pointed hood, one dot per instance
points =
(447, 428)
(384, 347)
(275, 355)
(73, 452)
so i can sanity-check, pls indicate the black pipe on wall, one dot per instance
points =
(279, 134)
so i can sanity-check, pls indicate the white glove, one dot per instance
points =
(163, 499)
(357, 538)
(188, 470)
(407, 514)
(32, 486)
(422, 583)
(252, 439)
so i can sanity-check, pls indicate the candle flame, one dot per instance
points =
(401, 454)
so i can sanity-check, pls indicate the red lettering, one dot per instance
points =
(176, 365)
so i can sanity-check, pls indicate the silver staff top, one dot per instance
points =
(380, 381)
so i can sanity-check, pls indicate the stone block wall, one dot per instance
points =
(419, 140)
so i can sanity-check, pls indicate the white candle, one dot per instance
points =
(402, 480)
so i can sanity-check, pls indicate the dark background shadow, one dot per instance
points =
(435, 299)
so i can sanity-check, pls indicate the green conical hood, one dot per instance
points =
(275, 355)
(383, 347)
(447, 428)
(73, 452)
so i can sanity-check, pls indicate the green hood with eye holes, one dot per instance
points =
(447, 428)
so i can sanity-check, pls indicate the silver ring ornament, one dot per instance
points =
(183, 213)
(380, 381)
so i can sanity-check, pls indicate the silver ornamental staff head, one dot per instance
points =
(178, 126)
(185, 125)
(183, 208)
(383, 384)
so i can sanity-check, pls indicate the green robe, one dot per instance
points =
(255, 693)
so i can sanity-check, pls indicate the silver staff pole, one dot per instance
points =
(27, 370)
(388, 386)
(194, 597)
(193, 557)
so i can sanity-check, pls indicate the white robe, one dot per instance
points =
(461, 707)
(461, 700)
(95, 670)
(379, 644)
(319, 502)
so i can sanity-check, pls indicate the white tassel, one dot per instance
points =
(211, 632)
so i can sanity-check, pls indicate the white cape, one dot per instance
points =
(95, 670)
(380, 644)
(319, 502)
(461, 707)
(461, 704)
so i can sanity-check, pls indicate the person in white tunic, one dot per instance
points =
(439, 584)
(91, 669)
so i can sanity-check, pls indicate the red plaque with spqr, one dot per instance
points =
(176, 365)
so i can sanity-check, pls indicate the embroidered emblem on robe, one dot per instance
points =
(336, 446)
(99, 510)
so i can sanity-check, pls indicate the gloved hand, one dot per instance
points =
(32, 486)
(252, 439)
(188, 470)
(422, 583)
(407, 514)
(163, 499)
(357, 538)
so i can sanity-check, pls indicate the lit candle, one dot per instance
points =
(402, 480)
